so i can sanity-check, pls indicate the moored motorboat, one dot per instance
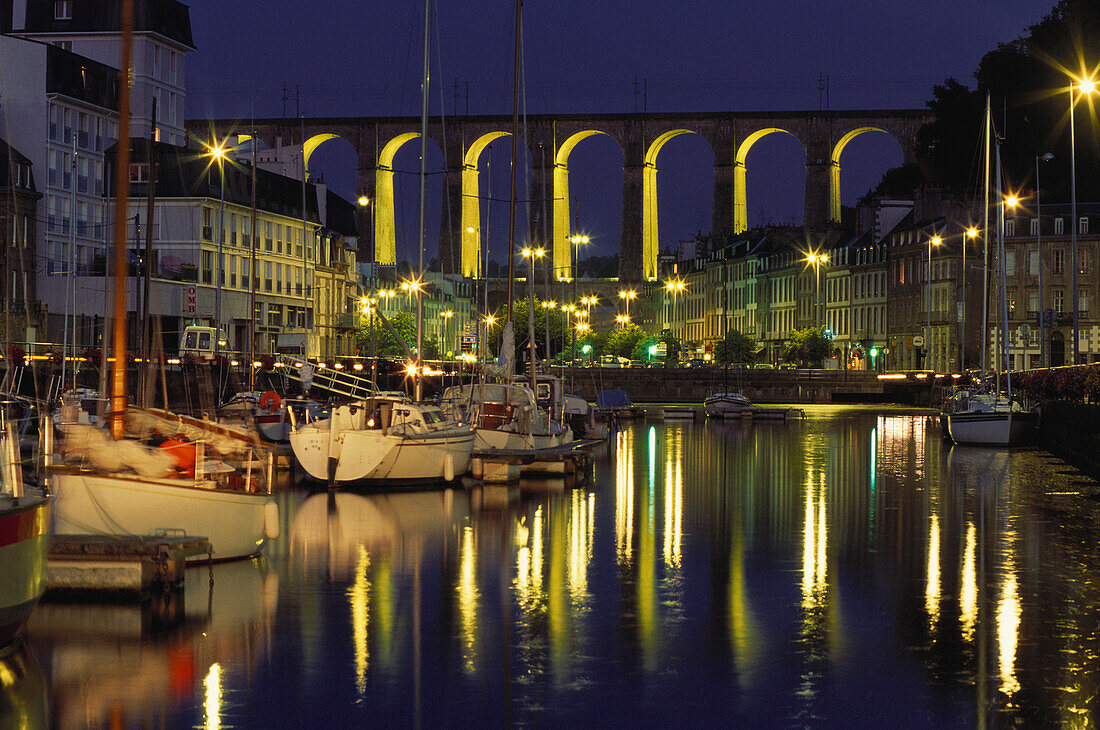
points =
(989, 419)
(717, 405)
(24, 541)
(505, 416)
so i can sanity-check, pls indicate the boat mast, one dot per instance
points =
(1003, 351)
(418, 379)
(150, 202)
(515, 146)
(253, 237)
(122, 194)
(984, 344)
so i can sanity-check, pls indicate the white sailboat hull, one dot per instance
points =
(235, 523)
(366, 455)
(998, 428)
(722, 403)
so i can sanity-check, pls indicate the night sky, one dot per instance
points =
(365, 58)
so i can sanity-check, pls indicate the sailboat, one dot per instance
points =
(24, 541)
(157, 473)
(992, 418)
(385, 438)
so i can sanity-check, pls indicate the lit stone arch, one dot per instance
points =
(562, 225)
(385, 225)
(471, 204)
(834, 168)
(313, 143)
(740, 177)
(650, 227)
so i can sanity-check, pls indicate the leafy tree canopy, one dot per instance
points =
(735, 347)
(807, 347)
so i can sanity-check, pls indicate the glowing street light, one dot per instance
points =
(622, 319)
(676, 287)
(627, 295)
(218, 154)
(1083, 86)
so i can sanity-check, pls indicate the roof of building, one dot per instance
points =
(185, 172)
(11, 157)
(168, 18)
(77, 77)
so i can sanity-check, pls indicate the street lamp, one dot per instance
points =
(1045, 157)
(622, 319)
(816, 260)
(933, 241)
(971, 233)
(446, 315)
(1085, 86)
(675, 288)
(531, 254)
(627, 295)
(217, 152)
(547, 305)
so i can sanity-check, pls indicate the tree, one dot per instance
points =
(806, 347)
(672, 346)
(385, 345)
(624, 341)
(735, 347)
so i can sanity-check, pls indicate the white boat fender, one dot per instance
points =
(271, 520)
(448, 468)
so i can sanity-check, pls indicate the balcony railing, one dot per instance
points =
(345, 321)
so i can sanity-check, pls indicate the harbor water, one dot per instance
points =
(849, 568)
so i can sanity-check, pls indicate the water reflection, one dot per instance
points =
(22, 690)
(851, 564)
(125, 664)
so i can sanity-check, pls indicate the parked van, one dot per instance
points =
(198, 341)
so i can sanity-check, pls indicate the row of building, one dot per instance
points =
(213, 240)
(904, 292)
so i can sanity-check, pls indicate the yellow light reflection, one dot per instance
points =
(580, 543)
(674, 500)
(814, 542)
(932, 588)
(1008, 624)
(624, 495)
(968, 593)
(212, 706)
(742, 624)
(359, 600)
(467, 598)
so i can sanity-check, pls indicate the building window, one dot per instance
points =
(1058, 226)
(207, 225)
(1035, 226)
(1058, 261)
(1010, 227)
(1059, 300)
(1083, 303)
(1083, 225)
(1033, 263)
(1083, 263)
(63, 10)
(207, 267)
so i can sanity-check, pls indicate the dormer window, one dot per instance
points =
(1059, 224)
(63, 10)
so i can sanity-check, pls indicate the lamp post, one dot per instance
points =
(675, 288)
(217, 151)
(627, 295)
(577, 240)
(490, 320)
(816, 260)
(1084, 87)
(971, 233)
(547, 305)
(531, 254)
(446, 314)
(933, 241)
(1045, 157)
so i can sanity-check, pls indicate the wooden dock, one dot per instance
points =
(129, 565)
(693, 413)
(505, 465)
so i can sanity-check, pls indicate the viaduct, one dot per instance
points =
(552, 139)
